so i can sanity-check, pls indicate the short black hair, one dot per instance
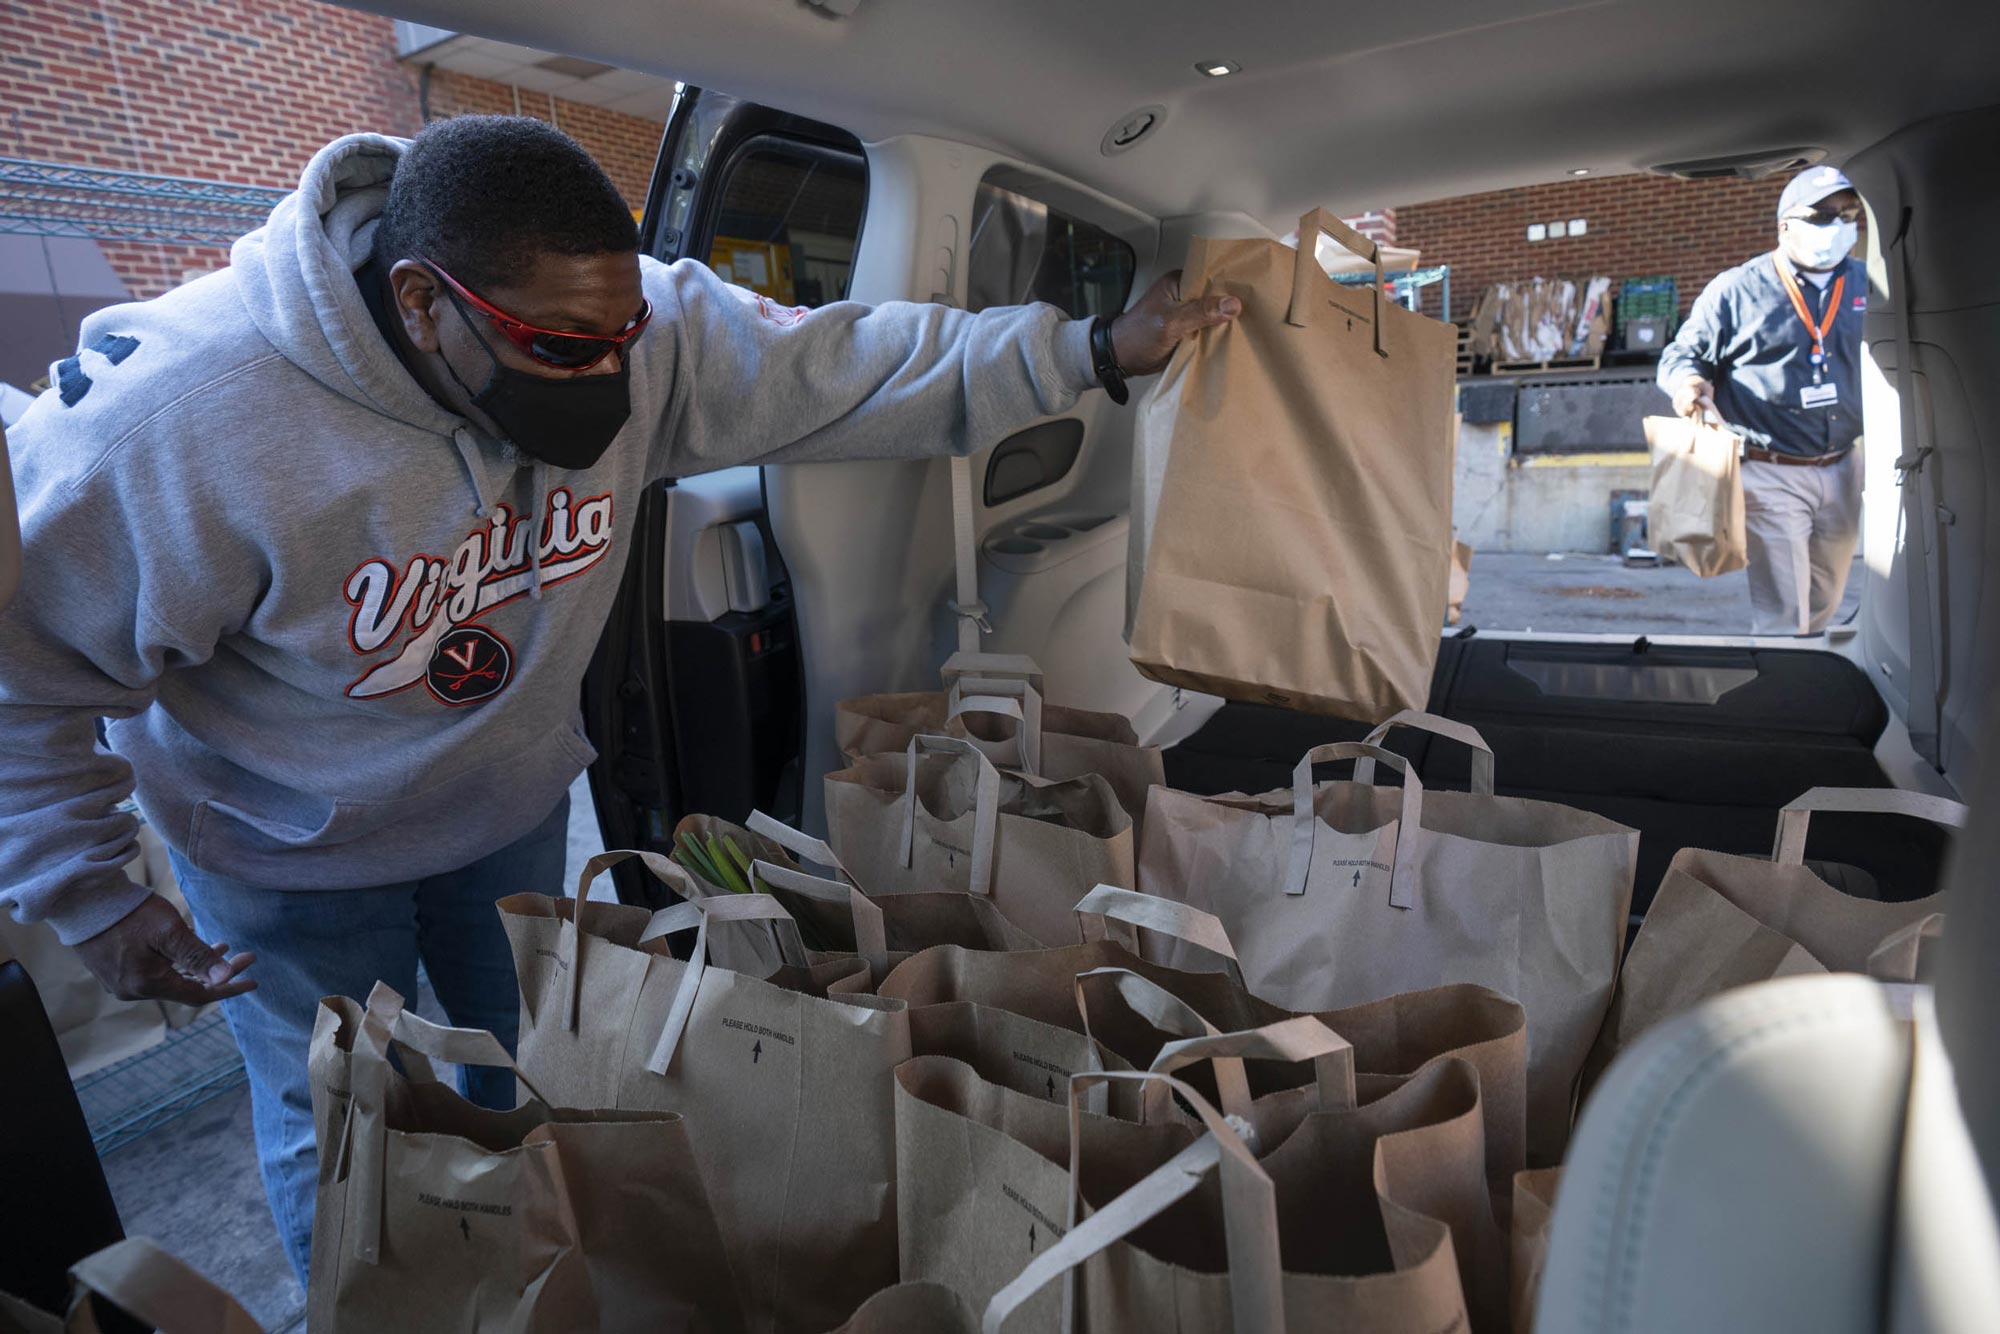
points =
(484, 196)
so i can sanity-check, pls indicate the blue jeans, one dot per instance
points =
(315, 943)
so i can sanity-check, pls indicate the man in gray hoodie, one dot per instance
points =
(328, 538)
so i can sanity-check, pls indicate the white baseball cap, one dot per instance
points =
(1810, 186)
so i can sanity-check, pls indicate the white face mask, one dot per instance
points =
(1819, 247)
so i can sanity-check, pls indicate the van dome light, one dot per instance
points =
(1215, 69)
(1579, 171)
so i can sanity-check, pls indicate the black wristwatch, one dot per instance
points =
(1104, 361)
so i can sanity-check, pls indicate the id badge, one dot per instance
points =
(1819, 395)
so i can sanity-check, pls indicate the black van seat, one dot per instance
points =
(1694, 747)
(58, 1205)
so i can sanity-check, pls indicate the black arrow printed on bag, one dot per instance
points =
(466, 1228)
(756, 1052)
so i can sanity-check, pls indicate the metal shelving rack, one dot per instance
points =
(192, 1066)
(56, 199)
(1406, 285)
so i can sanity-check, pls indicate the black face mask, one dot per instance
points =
(568, 422)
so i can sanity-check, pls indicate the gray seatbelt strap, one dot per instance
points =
(971, 612)
(1917, 479)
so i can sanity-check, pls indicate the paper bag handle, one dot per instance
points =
(1482, 754)
(985, 806)
(385, 1023)
(699, 913)
(1150, 912)
(1901, 956)
(1403, 874)
(871, 935)
(1002, 698)
(1790, 849)
(1249, 1215)
(569, 943)
(159, 1289)
(1169, 1014)
(1299, 1038)
(1306, 263)
(800, 844)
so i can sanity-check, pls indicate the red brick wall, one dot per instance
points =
(625, 146)
(1637, 225)
(237, 90)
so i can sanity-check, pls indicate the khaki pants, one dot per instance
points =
(1803, 524)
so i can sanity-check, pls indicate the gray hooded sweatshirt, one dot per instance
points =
(338, 631)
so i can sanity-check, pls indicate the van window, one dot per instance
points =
(1023, 250)
(789, 218)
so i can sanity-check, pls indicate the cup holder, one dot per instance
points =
(1043, 532)
(1083, 523)
(1015, 546)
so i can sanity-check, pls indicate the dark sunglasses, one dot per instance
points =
(552, 347)
(1821, 217)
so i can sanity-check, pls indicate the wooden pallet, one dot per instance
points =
(1552, 364)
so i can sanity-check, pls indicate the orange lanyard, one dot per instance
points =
(1818, 331)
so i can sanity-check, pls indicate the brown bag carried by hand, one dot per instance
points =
(995, 701)
(939, 816)
(1339, 893)
(1723, 921)
(783, 1081)
(1695, 510)
(435, 1213)
(1291, 535)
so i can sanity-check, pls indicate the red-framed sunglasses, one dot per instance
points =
(552, 347)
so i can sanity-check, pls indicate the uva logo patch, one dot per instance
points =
(471, 663)
(420, 619)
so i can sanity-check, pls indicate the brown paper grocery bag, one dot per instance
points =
(939, 816)
(1339, 893)
(1339, 1228)
(1041, 984)
(1392, 1037)
(983, 1182)
(1528, 1243)
(1722, 921)
(149, 1284)
(890, 929)
(784, 1082)
(1448, 1187)
(434, 1213)
(995, 702)
(980, 1164)
(913, 1308)
(1010, 1050)
(1226, 1058)
(1695, 510)
(834, 917)
(1291, 541)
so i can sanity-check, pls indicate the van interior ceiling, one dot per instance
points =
(1100, 111)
